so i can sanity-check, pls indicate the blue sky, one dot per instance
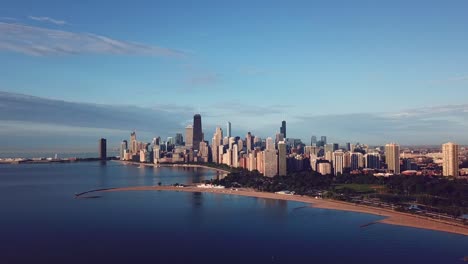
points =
(248, 61)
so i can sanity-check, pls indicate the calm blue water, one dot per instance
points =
(41, 222)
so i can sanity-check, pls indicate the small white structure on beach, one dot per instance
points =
(210, 186)
(285, 192)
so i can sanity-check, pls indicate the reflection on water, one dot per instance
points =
(41, 222)
(196, 199)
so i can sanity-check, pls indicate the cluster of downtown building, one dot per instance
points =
(281, 155)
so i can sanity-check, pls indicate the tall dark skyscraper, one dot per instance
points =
(179, 139)
(313, 141)
(324, 140)
(336, 146)
(228, 129)
(283, 128)
(197, 131)
(102, 149)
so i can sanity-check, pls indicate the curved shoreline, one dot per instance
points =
(391, 217)
(180, 165)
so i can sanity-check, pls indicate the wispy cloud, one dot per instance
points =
(8, 18)
(37, 41)
(48, 19)
(23, 117)
(428, 125)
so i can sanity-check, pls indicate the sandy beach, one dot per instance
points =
(391, 217)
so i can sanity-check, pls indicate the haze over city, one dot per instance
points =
(364, 72)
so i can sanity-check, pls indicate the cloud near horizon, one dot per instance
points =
(38, 41)
(48, 19)
(28, 122)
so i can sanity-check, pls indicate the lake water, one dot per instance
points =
(42, 222)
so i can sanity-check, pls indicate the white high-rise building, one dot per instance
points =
(252, 161)
(189, 136)
(392, 157)
(215, 143)
(260, 162)
(329, 156)
(231, 142)
(156, 154)
(249, 139)
(240, 144)
(338, 162)
(123, 147)
(235, 156)
(324, 168)
(450, 162)
(203, 152)
(270, 144)
(270, 162)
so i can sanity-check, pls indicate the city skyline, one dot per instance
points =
(282, 156)
(270, 131)
(371, 72)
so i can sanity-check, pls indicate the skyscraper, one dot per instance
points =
(356, 160)
(197, 131)
(102, 149)
(329, 148)
(283, 128)
(215, 143)
(133, 143)
(324, 140)
(313, 141)
(338, 162)
(240, 144)
(450, 162)
(257, 141)
(156, 154)
(228, 129)
(123, 148)
(252, 161)
(156, 141)
(270, 145)
(231, 142)
(235, 156)
(249, 142)
(179, 139)
(324, 168)
(336, 146)
(189, 136)
(392, 157)
(270, 162)
(282, 169)
(203, 152)
(372, 160)
(279, 137)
